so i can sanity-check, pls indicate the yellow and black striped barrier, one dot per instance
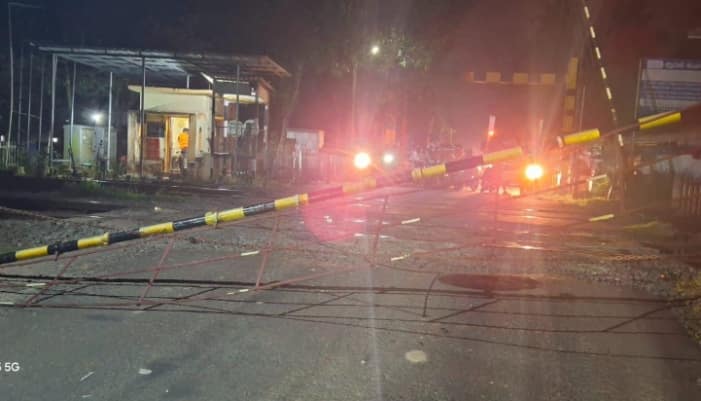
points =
(659, 120)
(643, 123)
(516, 78)
(213, 218)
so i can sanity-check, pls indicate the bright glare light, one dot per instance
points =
(490, 133)
(361, 160)
(534, 171)
(96, 117)
(388, 158)
(54, 140)
(375, 50)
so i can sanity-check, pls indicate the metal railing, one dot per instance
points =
(8, 155)
(688, 201)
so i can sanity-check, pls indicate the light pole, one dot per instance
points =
(96, 117)
(374, 51)
(10, 5)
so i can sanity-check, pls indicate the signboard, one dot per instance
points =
(667, 85)
(230, 87)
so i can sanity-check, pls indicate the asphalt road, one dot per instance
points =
(356, 320)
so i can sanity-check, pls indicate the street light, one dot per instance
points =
(375, 50)
(96, 117)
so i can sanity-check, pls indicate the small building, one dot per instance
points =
(222, 99)
(86, 146)
(305, 155)
(168, 111)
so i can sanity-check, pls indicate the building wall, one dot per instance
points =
(177, 102)
(195, 103)
(133, 145)
(197, 106)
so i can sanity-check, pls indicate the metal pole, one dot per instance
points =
(267, 162)
(12, 74)
(212, 145)
(19, 106)
(29, 101)
(354, 94)
(50, 142)
(12, 86)
(238, 77)
(238, 120)
(255, 142)
(257, 106)
(41, 104)
(187, 81)
(142, 102)
(70, 139)
(637, 89)
(635, 116)
(581, 107)
(109, 124)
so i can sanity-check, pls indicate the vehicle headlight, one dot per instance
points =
(388, 158)
(534, 171)
(362, 160)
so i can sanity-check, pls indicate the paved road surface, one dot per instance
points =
(499, 323)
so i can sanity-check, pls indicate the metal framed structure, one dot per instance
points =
(173, 67)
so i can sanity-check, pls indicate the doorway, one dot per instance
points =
(162, 139)
(175, 125)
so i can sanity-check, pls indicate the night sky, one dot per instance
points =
(499, 35)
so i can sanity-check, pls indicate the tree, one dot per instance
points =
(307, 32)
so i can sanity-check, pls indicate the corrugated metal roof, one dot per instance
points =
(168, 64)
